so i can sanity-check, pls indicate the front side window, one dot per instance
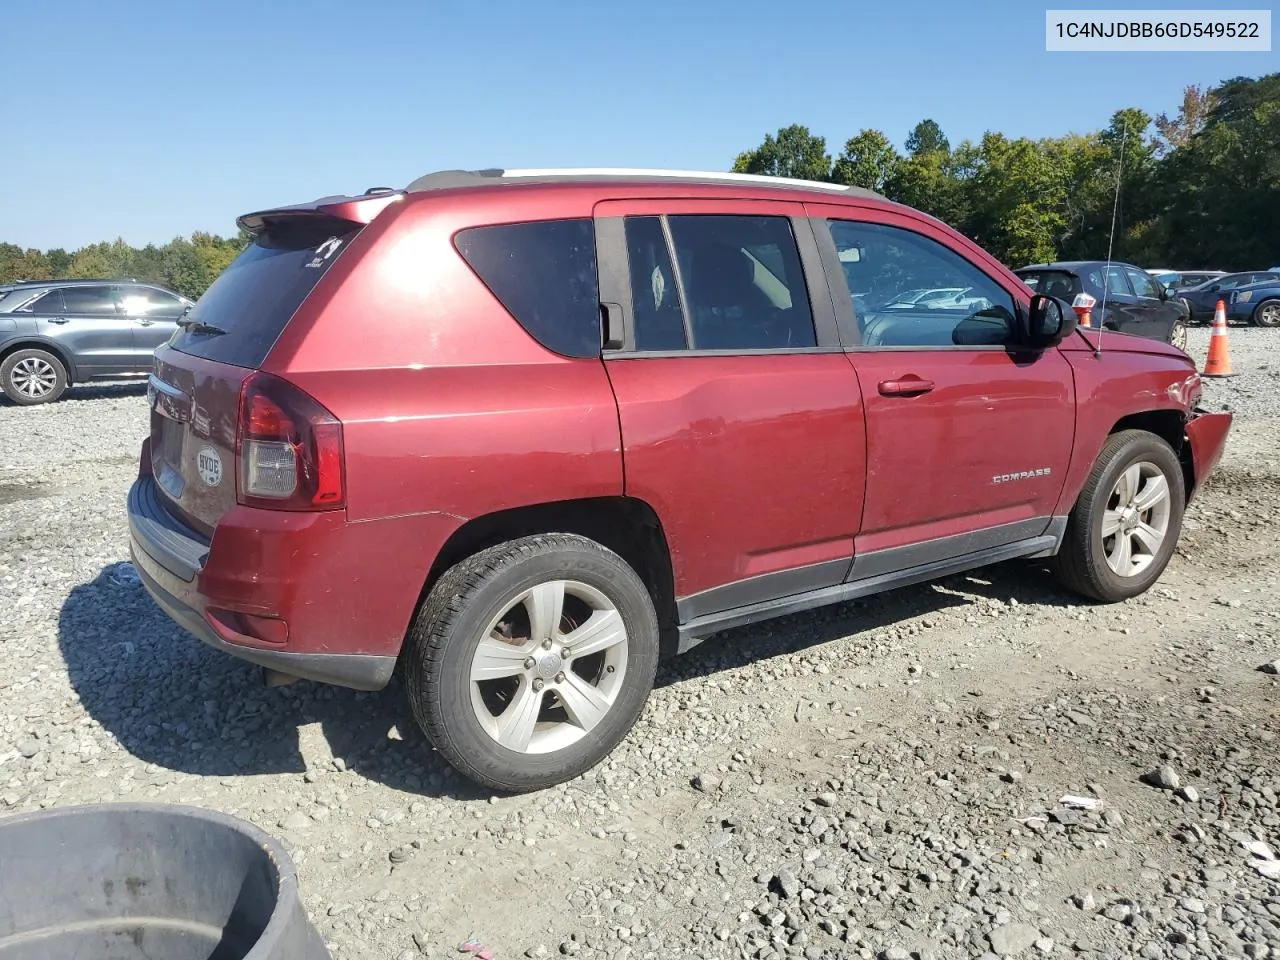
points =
(50, 304)
(544, 273)
(736, 284)
(912, 291)
(1143, 285)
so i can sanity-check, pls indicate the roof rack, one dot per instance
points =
(444, 179)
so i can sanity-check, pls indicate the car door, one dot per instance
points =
(154, 315)
(1155, 315)
(968, 436)
(85, 321)
(741, 418)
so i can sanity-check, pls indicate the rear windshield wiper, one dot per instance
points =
(199, 326)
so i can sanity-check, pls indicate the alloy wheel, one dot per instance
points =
(33, 377)
(1136, 520)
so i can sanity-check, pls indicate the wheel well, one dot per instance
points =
(13, 348)
(627, 526)
(1170, 426)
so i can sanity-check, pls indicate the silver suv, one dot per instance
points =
(54, 333)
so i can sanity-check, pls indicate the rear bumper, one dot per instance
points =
(282, 579)
(1207, 434)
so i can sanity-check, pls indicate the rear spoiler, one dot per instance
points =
(339, 209)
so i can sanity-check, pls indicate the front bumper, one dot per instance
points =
(1207, 435)
(173, 565)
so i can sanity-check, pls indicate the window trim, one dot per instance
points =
(840, 293)
(614, 270)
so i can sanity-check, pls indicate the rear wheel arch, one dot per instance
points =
(627, 526)
(1169, 426)
(11, 348)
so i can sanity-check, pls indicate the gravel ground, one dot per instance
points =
(878, 779)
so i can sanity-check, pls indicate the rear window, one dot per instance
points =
(254, 298)
(1052, 283)
(544, 273)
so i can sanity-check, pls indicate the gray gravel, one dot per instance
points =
(879, 779)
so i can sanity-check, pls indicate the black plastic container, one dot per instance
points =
(148, 882)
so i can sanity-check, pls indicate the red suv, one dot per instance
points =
(523, 433)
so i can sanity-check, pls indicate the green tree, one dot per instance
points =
(1191, 118)
(868, 160)
(925, 138)
(794, 152)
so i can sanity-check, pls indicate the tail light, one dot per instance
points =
(288, 449)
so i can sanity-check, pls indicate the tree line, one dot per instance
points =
(185, 264)
(1197, 189)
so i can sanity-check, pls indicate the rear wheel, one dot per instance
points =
(1267, 314)
(1178, 335)
(530, 661)
(1126, 522)
(32, 376)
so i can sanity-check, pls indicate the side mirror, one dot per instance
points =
(1050, 321)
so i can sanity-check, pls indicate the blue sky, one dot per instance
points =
(146, 119)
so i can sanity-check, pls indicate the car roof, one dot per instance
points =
(365, 206)
(1070, 266)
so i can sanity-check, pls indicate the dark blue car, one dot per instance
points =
(1258, 304)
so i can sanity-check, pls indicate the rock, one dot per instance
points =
(297, 820)
(29, 748)
(787, 883)
(1192, 905)
(825, 799)
(706, 783)
(1272, 668)
(1119, 912)
(895, 953)
(1012, 939)
(1045, 945)
(1189, 794)
(569, 948)
(1164, 777)
(394, 733)
(819, 826)
(1085, 901)
(540, 952)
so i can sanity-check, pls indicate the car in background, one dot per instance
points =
(55, 333)
(1258, 304)
(1203, 299)
(1127, 299)
(1194, 278)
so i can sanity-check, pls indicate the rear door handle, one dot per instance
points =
(57, 319)
(145, 323)
(908, 386)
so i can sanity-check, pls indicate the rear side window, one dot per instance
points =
(1052, 283)
(90, 301)
(253, 300)
(544, 273)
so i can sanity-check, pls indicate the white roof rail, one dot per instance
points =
(673, 174)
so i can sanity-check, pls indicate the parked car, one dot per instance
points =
(1202, 300)
(1128, 299)
(54, 333)
(609, 414)
(1193, 278)
(1258, 303)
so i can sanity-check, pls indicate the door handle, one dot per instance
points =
(908, 386)
(57, 319)
(145, 323)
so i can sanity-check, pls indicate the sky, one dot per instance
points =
(148, 119)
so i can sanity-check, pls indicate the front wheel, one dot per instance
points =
(530, 661)
(1267, 314)
(1126, 521)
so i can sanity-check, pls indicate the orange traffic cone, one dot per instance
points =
(1218, 363)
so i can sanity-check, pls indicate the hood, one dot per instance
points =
(1113, 341)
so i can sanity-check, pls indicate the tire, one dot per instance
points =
(480, 598)
(1267, 314)
(1178, 335)
(33, 376)
(1084, 561)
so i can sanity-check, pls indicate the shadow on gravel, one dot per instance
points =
(94, 391)
(171, 701)
(1024, 581)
